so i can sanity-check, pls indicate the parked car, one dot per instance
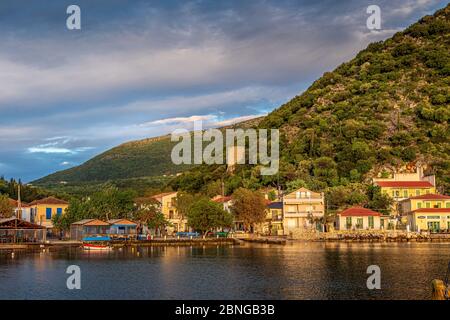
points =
(187, 234)
(219, 234)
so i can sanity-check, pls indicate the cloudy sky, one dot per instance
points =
(138, 69)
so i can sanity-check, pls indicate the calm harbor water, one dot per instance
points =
(294, 271)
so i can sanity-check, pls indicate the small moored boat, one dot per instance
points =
(88, 246)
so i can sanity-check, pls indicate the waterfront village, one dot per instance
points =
(418, 211)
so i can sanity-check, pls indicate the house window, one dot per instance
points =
(447, 205)
(371, 224)
(419, 205)
(417, 192)
(405, 193)
(427, 204)
(359, 223)
(171, 214)
(397, 194)
(348, 222)
(438, 205)
(48, 213)
(291, 208)
(58, 212)
(427, 192)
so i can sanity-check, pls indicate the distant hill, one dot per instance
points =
(136, 159)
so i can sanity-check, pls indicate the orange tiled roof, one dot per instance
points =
(49, 200)
(15, 203)
(121, 221)
(91, 222)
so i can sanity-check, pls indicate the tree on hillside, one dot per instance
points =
(6, 209)
(214, 188)
(378, 201)
(205, 215)
(249, 206)
(340, 197)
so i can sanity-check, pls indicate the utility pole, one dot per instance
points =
(19, 203)
(223, 193)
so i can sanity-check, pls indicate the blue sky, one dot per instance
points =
(138, 69)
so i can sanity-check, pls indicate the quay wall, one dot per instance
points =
(370, 236)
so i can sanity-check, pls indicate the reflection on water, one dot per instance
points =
(294, 271)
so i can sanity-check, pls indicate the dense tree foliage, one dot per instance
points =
(248, 206)
(6, 209)
(28, 193)
(148, 212)
(205, 215)
(109, 203)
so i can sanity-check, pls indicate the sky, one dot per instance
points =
(139, 69)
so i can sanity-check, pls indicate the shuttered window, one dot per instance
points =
(48, 213)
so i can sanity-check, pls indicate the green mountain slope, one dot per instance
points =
(387, 107)
(135, 159)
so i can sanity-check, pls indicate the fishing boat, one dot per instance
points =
(92, 243)
(89, 246)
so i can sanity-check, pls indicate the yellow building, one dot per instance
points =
(42, 211)
(401, 186)
(274, 219)
(429, 212)
(169, 210)
(301, 210)
(401, 190)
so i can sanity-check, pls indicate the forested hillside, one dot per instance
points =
(387, 107)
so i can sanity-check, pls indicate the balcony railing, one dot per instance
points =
(306, 212)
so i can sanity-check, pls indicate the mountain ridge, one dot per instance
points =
(148, 157)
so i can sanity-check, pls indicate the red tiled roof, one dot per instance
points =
(222, 199)
(358, 212)
(433, 210)
(49, 200)
(431, 196)
(404, 184)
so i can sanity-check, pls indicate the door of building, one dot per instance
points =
(433, 226)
